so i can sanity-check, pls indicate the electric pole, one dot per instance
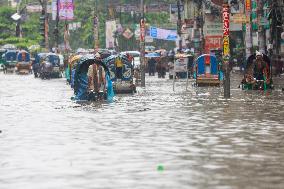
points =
(96, 26)
(56, 29)
(226, 48)
(142, 44)
(179, 26)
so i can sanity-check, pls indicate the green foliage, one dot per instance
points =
(82, 37)
(19, 42)
(7, 25)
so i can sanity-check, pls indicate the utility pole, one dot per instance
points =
(96, 26)
(248, 36)
(56, 29)
(142, 44)
(18, 23)
(179, 26)
(226, 48)
(261, 27)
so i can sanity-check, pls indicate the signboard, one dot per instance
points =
(174, 12)
(213, 42)
(248, 5)
(66, 9)
(128, 33)
(212, 29)
(254, 18)
(158, 33)
(142, 30)
(180, 64)
(237, 6)
(174, 8)
(110, 29)
(240, 18)
(226, 32)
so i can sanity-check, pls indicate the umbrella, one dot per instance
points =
(152, 55)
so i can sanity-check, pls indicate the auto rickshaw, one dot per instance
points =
(37, 63)
(24, 65)
(70, 69)
(50, 67)
(92, 80)
(10, 60)
(207, 71)
(257, 73)
(2, 58)
(122, 77)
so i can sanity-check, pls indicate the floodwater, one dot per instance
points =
(156, 138)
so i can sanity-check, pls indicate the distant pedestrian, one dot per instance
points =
(161, 69)
(152, 65)
(279, 66)
(118, 67)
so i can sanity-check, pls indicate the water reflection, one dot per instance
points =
(201, 139)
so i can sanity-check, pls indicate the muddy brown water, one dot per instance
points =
(156, 138)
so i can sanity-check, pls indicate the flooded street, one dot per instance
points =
(156, 138)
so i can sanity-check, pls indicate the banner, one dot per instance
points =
(226, 33)
(66, 9)
(110, 29)
(54, 9)
(158, 33)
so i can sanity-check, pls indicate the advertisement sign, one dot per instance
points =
(240, 18)
(226, 20)
(142, 30)
(237, 6)
(66, 9)
(180, 65)
(54, 9)
(212, 29)
(158, 33)
(110, 29)
(128, 33)
(248, 5)
(226, 32)
(213, 42)
(174, 12)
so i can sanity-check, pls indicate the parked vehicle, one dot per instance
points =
(207, 70)
(92, 80)
(10, 60)
(70, 70)
(37, 63)
(2, 58)
(257, 73)
(50, 67)
(24, 65)
(121, 76)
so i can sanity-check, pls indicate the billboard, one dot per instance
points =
(158, 33)
(66, 9)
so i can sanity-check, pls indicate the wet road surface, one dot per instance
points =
(156, 138)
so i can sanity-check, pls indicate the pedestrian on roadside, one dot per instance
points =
(279, 66)
(118, 67)
(152, 65)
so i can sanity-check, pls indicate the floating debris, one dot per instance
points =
(160, 168)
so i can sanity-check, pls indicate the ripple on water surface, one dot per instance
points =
(156, 138)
